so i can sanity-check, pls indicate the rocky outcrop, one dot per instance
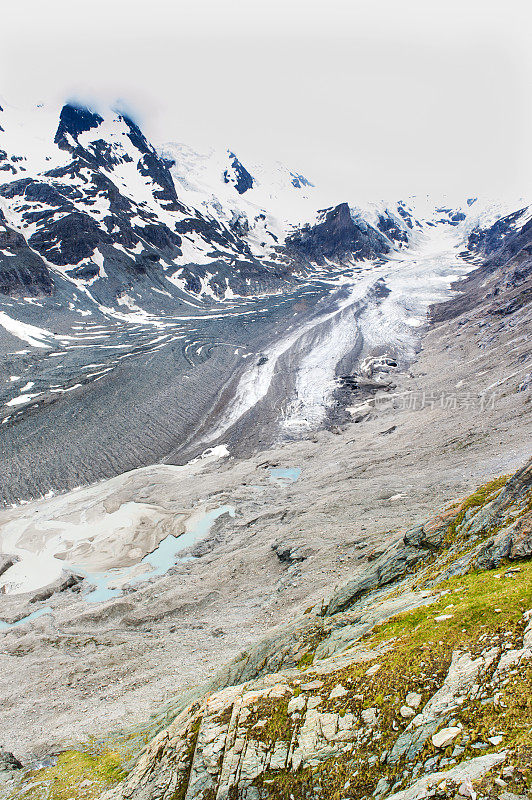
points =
(73, 121)
(291, 732)
(22, 271)
(8, 762)
(336, 236)
(378, 709)
(6, 562)
(513, 543)
(237, 175)
(67, 580)
(460, 777)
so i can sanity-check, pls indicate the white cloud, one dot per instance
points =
(368, 98)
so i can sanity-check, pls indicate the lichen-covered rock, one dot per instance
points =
(513, 543)
(470, 770)
(432, 532)
(463, 673)
(240, 739)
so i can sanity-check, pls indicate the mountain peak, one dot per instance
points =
(74, 120)
(299, 180)
(238, 175)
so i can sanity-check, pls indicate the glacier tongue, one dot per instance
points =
(376, 309)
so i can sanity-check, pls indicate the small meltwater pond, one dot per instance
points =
(165, 556)
(112, 582)
(284, 476)
(102, 581)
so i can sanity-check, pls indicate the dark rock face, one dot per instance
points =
(8, 762)
(5, 162)
(337, 236)
(405, 214)
(101, 153)
(239, 225)
(238, 175)
(451, 217)
(430, 534)
(73, 121)
(78, 233)
(391, 229)
(299, 181)
(513, 544)
(154, 167)
(491, 239)
(58, 205)
(514, 541)
(22, 272)
(517, 486)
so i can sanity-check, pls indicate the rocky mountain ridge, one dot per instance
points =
(98, 205)
(102, 207)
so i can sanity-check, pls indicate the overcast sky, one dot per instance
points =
(369, 98)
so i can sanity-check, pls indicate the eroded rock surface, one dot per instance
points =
(340, 723)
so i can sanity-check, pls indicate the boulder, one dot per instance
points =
(370, 716)
(290, 552)
(445, 737)
(338, 691)
(474, 769)
(8, 761)
(67, 580)
(296, 704)
(512, 543)
(413, 699)
(6, 562)
(311, 686)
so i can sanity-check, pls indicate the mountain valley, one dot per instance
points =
(243, 430)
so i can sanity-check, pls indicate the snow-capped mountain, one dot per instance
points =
(89, 204)
(166, 299)
(95, 202)
(99, 205)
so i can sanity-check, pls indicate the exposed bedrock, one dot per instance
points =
(335, 701)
